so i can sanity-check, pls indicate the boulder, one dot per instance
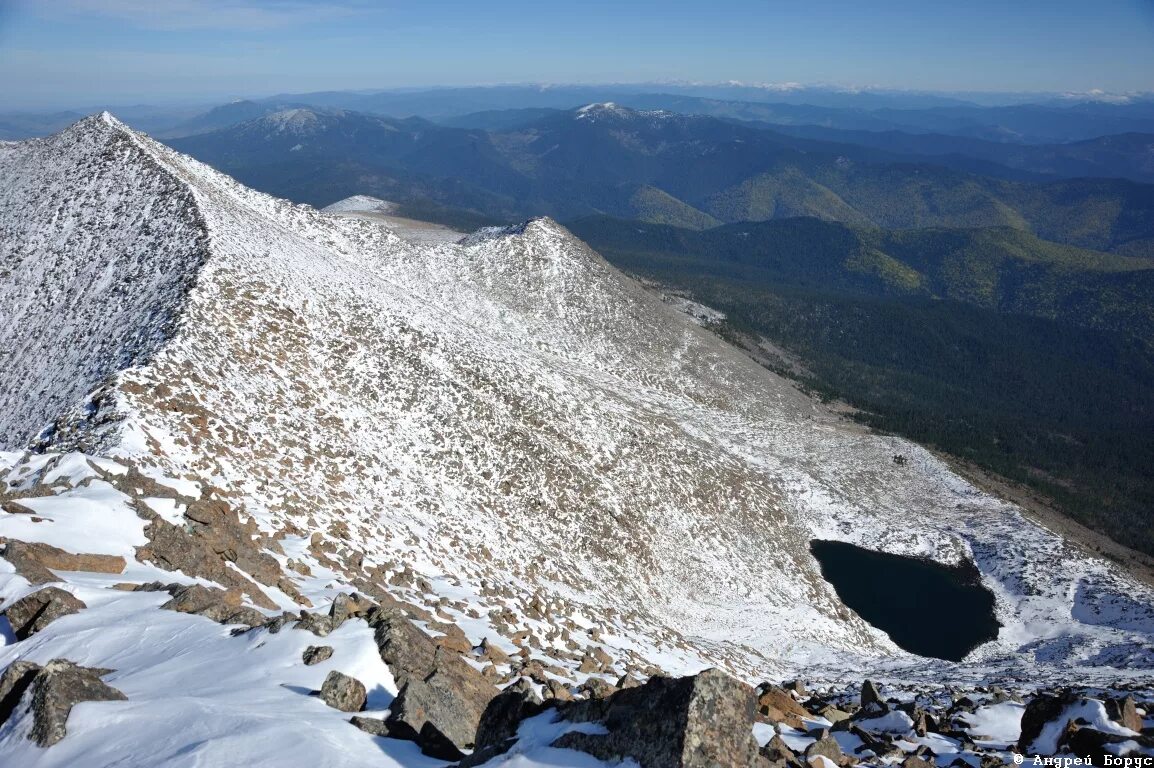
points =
(315, 654)
(15, 679)
(342, 692)
(371, 725)
(349, 606)
(779, 706)
(776, 750)
(833, 714)
(408, 651)
(1042, 709)
(596, 688)
(442, 712)
(498, 728)
(916, 762)
(317, 623)
(34, 612)
(871, 699)
(1091, 743)
(441, 698)
(701, 721)
(1124, 711)
(826, 747)
(51, 691)
(202, 551)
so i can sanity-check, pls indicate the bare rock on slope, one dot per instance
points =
(691, 722)
(1042, 709)
(174, 549)
(35, 561)
(441, 698)
(222, 606)
(315, 654)
(50, 692)
(1124, 711)
(497, 730)
(34, 612)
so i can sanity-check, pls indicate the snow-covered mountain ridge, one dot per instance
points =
(506, 431)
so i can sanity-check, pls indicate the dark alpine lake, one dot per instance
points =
(925, 607)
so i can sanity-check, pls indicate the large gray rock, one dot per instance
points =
(871, 699)
(442, 712)
(50, 693)
(1042, 709)
(408, 651)
(342, 692)
(34, 612)
(315, 654)
(441, 698)
(14, 681)
(704, 721)
(498, 728)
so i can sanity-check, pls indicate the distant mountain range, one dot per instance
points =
(686, 170)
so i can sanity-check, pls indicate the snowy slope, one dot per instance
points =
(506, 430)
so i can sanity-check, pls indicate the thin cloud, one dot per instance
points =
(210, 14)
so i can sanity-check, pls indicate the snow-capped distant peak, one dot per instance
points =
(615, 111)
(297, 120)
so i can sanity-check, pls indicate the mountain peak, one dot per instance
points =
(299, 121)
(100, 122)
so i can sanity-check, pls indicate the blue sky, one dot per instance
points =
(57, 53)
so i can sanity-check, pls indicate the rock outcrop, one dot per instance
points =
(34, 612)
(441, 698)
(50, 692)
(220, 605)
(36, 561)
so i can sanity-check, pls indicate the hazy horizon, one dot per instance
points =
(74, 53)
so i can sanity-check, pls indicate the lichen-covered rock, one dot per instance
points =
(342, 692)
(703, 721)
(50, 692)
(34, 612)
(315, 654)
(408, 651)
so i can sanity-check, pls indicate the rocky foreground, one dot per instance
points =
(87, 633)
(456, 706)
